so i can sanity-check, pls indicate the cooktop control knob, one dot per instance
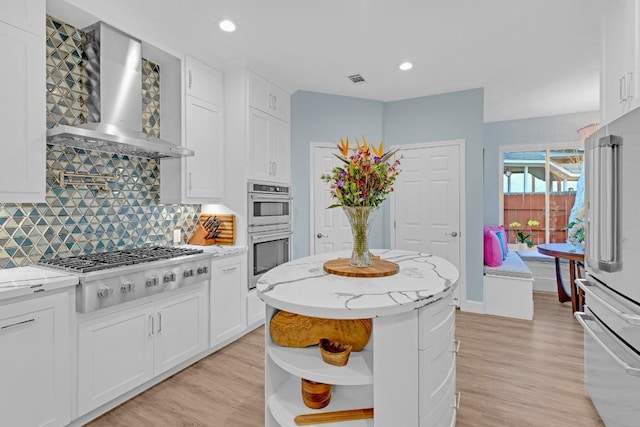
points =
(169, 277)
(203, 269)
(104, 292)
(188, 273)
(126, 287)
(152, 281)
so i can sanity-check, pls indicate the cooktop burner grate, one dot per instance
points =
(106, 260)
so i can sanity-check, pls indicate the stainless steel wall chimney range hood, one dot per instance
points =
(114, 100)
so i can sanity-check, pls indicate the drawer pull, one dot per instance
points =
(456, 345)
(20, 323)
(456, 401)
(229, 269)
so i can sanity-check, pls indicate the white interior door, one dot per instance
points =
(426, 203)
(330, 227)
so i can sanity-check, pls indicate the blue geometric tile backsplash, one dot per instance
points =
(79, 219)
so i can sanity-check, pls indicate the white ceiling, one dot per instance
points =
(533, 58)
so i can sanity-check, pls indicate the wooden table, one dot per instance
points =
(569, 252)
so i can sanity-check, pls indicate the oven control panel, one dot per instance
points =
(125, 286)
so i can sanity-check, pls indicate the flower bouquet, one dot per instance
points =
(575, 229)
(522, 237)
(360, 185)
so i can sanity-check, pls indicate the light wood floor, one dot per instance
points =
(510, 373)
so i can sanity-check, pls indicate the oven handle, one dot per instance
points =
(271, 236)
(582, 318)
(270, 197)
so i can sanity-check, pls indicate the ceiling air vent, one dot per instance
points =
(356, 79)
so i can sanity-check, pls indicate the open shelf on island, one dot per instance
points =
(286, 403)
(307, 363)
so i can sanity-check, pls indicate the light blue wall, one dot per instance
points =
(318, 117)
(457, 115)
(539, 130)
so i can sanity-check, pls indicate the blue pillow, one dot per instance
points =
(502, 245)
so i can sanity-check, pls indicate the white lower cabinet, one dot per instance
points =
(228, 293)
(117, 353)
(255, 309)
(35, 378)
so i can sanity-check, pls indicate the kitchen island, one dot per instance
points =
(406, 372)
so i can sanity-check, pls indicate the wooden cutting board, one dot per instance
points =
(380, 268)
(226, 231)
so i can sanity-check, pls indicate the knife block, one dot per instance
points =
(226, 231)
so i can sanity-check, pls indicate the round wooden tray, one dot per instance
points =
(380, 268)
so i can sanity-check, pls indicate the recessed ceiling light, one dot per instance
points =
(227, 25)
(405, 66)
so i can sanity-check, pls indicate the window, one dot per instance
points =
(540, 185)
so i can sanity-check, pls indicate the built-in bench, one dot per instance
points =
(544, 270)
(508, 288)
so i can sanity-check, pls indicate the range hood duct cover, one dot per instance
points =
(114, 86)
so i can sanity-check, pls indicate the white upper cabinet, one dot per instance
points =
(198, 179)
(267, 97)
(22, 108)
(269, 147)
(203, 81)
(27, 15)
(621, 56)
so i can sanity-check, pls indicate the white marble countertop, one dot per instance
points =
(302, 286)
(15, 282)
(219, 250)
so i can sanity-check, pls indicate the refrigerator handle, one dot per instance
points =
(590, 295)
(608, 199)
(582, 318)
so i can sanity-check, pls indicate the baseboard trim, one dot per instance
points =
(472, 306)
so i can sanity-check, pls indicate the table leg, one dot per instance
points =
(562, 295)
(572, 282)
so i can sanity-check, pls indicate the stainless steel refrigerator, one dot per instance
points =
(611, 315)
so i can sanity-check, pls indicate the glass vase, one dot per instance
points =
(360, 220)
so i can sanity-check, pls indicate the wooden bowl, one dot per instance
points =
(315, 395)
(334, 352)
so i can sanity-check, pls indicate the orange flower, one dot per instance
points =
(364, 148)
(378, 152)
(344, 147)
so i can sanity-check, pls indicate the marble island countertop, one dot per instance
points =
(15, 282)
(302, 286)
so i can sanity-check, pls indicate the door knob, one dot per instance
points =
(320, 235)
(452, 234)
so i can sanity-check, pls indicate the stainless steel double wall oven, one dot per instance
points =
(269, 227)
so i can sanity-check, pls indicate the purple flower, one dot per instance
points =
(376, 159)
(340, 183)
(342, 174)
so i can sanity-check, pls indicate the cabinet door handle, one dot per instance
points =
(275, 102)
(190, 79)
(19, 323)
(622, 88)
(152, 325)
(628, 92)
(456, 401)
(190, 180)
(229, 269)
(456, 347)
(159, 321)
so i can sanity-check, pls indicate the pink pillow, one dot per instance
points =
(503, 238)
(492, 249)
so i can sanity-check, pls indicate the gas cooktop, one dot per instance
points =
(106, 260)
